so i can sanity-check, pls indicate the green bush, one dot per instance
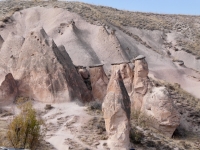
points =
(25, 129)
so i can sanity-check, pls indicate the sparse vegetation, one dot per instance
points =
(21, 99)
(25, 131)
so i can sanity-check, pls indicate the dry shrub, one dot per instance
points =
(25, 129)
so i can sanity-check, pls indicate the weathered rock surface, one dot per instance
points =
(126, 73)
(141, 82)
(45, 72)
(153, 103)
(160, 112)
(116, 112)
(99, 82)
(10, 52)
(8, 90)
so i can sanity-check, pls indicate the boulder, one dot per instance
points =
(160, 112)
(8, 90)
(99, 82)
(116, 112)
(85, 76)
(141, 82)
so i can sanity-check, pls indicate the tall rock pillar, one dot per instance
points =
(99, 82)
(116, 112)
(140, 82)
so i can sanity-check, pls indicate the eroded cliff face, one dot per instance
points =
(44, 72)
(116, 111)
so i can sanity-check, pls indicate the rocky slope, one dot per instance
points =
(66, 51)
(93, 50)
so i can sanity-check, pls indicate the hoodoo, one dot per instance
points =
(99, 82)
(141, 82)
(116, 111)
(126, 73)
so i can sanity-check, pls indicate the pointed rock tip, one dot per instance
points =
(9, 76)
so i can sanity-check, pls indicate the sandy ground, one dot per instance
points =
(64, 122)
(67, 126)
(64, 126)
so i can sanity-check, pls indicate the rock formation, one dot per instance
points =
(45, 72)
(80, 52)
(141, 82)
(126, 73)
(160, 112)
(99, 82)
(153, 103)
(116, 112)
(110, 50)
(8, 90)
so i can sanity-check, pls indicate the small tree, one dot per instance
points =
(25, 129)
